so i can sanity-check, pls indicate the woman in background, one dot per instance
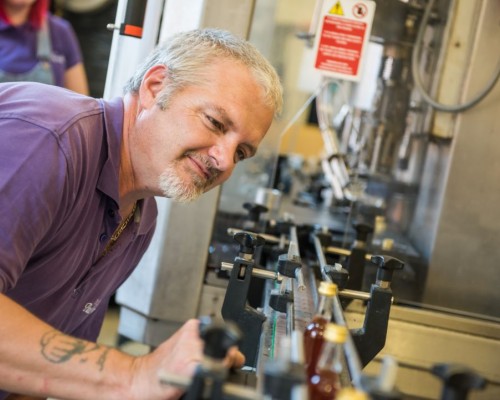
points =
(37, 46)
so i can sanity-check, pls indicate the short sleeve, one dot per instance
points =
(32, 179)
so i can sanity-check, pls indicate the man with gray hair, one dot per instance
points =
(78, 178)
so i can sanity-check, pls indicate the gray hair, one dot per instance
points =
(186, 54)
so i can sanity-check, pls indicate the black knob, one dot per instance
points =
(254, 211)
(386, 266)
(248, 242)
(323, 234)
(219, 337)
(362, 231)
(458, 380)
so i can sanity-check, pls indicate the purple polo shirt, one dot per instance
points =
(18, 47)
(59, 160)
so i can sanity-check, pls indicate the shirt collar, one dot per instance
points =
(108, 182)
(113, 126)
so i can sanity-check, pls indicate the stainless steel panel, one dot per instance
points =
(419, 339)
(463, 259)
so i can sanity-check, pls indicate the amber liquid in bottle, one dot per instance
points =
(313, 334)
(324, 382)
(323, 385)
(313, 341)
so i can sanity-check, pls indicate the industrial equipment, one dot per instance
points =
(406, 181)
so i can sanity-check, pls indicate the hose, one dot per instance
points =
(418, 82)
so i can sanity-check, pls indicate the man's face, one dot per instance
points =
(194, 144)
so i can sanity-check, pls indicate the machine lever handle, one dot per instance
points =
(458, 380)
(362, 231)
(219, 337)
(386, 266)
(248, 242)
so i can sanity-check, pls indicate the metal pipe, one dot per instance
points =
(268, 238)
(344, 252)
(230, 389)
(257, 272)
(338, 250)
(355, 294)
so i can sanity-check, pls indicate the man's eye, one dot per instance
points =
(240, 155)
(216, 124)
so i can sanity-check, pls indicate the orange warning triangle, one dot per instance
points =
(337, 9)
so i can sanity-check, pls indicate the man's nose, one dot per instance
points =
(223, 156)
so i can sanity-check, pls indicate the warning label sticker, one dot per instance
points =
(343, 34)
(337, 9)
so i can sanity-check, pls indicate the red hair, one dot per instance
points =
(37, 14)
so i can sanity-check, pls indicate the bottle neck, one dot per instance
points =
(331, 357)
(325, 307)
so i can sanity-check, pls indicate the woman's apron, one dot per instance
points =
(42, 71)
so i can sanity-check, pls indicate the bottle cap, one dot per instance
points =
(387, 244)
(327, 288)
(335, 333)
(351, 394)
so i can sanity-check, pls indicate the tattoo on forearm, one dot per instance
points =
(58, 348)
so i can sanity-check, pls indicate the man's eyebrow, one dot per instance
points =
(222, 114)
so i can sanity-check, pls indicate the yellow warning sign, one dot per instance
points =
(337, 9)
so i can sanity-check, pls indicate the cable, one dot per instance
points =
(417, 79)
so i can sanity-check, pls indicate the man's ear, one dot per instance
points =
(153, 82)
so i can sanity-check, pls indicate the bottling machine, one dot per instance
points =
(401, 211)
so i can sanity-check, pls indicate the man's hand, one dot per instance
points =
(179, 356)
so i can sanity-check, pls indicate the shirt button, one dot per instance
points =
(111, 213)
(103, 237)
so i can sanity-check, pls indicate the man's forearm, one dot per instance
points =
(37, 360)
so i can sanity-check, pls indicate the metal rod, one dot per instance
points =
(321, 258)
(338, 250)
(230, 389)
(257, 272)
(290, 318)
(293, 250)
(166, 378)
(268, 238)
(240, 392)
(284, 286)
(355, 294)
(352, 358)
(344, 252)
(300, 279)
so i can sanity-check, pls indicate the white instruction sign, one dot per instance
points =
(341, 40)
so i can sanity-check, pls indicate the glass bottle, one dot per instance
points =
(324, 383)
(313, 334)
